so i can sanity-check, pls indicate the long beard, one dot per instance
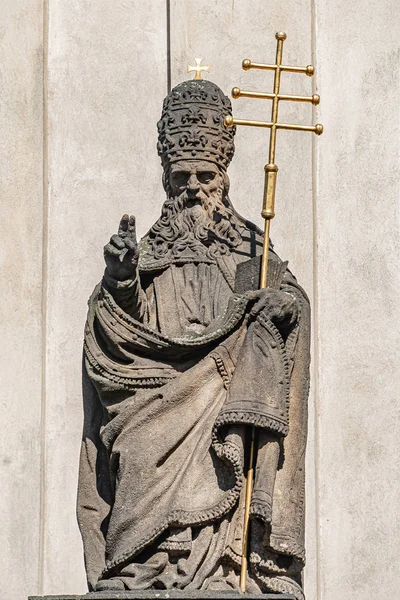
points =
(207, 226)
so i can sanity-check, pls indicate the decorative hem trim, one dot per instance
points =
(250, 418)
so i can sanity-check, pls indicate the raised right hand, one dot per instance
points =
(121, 253)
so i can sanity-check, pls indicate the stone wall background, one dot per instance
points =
(82, 85)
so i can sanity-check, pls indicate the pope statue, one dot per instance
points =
(182, 357)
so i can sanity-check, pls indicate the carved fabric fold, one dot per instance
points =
(162, 454)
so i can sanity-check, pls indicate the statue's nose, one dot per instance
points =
(193, 184)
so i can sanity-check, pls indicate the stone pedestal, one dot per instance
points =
(167, 595)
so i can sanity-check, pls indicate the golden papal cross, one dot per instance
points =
(268, 212)
(198, 68)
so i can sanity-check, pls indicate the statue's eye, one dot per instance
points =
(179, 178)
(206, 176)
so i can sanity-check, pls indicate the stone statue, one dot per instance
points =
(182, 356)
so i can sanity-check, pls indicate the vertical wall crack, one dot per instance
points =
(44, 299)
(168, 8)
(315, 322)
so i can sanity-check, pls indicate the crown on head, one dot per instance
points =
(192, 124)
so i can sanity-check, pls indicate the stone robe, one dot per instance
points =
(174, 371)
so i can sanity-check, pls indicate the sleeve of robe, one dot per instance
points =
(128, 294)
(94, 487)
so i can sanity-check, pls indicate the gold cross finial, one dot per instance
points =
(198, 68)
(271, 169)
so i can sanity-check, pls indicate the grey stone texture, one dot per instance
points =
(357, 308)
(180, 367)
(98, 149)
(21, 275)
(96, 72)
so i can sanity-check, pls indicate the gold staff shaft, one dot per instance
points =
(246, 521)
(267, 213)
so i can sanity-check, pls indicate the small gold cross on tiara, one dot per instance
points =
(198, 68)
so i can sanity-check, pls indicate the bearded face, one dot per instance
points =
(197, 213)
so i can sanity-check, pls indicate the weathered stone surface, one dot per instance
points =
(21, 233)
(356, 194)
(102, 112)
(180, 369)
(358, 311)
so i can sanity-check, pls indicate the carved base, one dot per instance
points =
(168, 595)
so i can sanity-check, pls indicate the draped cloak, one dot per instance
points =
(173, 372)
